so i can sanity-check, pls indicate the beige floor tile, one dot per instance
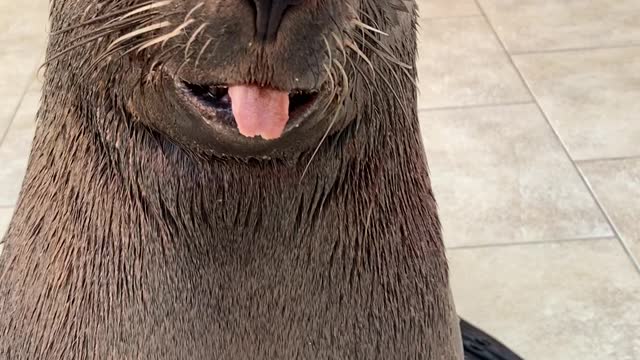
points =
(462, 63)
(14, 151)
(590, 97)
(500, 176)
(16, 70)
(447, 8)
(616, 184)
(23, 25)
(31, 45)
(573, 300)
(538, 25)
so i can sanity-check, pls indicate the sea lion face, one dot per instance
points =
(241, 78)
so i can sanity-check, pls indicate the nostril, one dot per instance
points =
(269, 14)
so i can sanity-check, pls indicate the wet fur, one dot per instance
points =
(129, 241)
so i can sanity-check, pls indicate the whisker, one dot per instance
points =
(145, 8)
(359, 52)
(71, 48)
(184, 63)
(160, 58)
(386, 52)
(333, 86)
(204, 47)
(106, 30)
(193, 38)
(392, 60)
(326, 43)
(367, 27)
(193, 10)
(137, 32)
(166, 37)
(99, 18)
(339, 42)
(345, 92)
(106, 55)
(329, 74)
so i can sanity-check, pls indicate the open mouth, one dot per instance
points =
(252, 110)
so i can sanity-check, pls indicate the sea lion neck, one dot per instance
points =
(147, 251)
(237, 261)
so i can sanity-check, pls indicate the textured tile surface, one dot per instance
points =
(447, 8)
(14, 151)
(461, 63)
(23, 25)
(617, 187)
(500, 176)
(541, 25)
(16, 69)
(575, 300)
(590, 97)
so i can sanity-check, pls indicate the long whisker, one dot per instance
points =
(204, 47)
(339, 42)
(360, 24)
(345, 92)
(391, 60)
(329, 74)
(188, 16)
(107, 54)
(71, 48)
(160, 58)
(137, 32)
(193, 38)
(166, 37)
(359, 52)
(145, 8)
(109, 16)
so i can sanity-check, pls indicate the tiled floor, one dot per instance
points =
(530, 112)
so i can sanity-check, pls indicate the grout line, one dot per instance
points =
(576, 49)
(529, 243)
(504, 49)
(574, 163)
(604, 213)
(613, 158)
(600, 206)
(3, 135)
(474, 106)
(33, 76)
(615, 229)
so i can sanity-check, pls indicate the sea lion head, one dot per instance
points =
(239, 78)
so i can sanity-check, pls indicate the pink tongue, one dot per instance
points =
(259, 111)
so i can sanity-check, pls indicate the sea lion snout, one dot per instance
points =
(254, 78)
(232, 78)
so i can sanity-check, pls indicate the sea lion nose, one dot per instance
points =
(269, 14)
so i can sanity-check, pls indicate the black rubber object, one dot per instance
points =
(478, 345)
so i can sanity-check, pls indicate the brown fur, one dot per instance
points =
(136, 237)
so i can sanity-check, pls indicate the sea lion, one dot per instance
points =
(228, 179)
